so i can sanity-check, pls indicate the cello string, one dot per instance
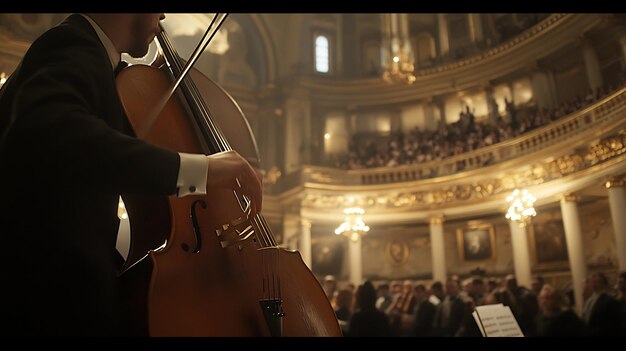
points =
(260, 221)
(206, 39)
(263, 232)
(156, 110)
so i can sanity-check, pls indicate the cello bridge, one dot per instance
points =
(237, 232)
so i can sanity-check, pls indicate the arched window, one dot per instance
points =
(322, 57)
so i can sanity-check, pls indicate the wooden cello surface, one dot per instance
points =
(202, 281)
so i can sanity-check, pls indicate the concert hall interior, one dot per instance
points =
(441, 161)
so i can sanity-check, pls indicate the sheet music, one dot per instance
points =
(496, 320)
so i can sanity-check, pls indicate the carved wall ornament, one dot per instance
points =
(397, 252)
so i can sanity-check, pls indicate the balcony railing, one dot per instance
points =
(577, 129)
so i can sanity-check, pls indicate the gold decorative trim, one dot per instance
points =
(614, 182)
(437, 219)
(568, 198)
(603, 151)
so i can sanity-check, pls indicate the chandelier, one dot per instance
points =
(353, 226)
(520, 206)
(397, 55)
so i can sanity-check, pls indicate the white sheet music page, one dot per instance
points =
(497, 320)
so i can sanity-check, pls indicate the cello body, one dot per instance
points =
(186, 273)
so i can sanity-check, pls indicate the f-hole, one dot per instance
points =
(196, 227)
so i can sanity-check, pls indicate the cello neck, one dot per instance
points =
(201, 115)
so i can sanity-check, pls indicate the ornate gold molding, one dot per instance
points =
(537, 173)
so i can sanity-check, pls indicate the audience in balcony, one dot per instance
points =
(464, 135)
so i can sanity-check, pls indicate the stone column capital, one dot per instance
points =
(614, 182)
(437, 219)
(568, 198)
(305, 223)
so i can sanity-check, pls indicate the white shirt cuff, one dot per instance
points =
(192, 175)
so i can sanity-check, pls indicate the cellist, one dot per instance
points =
(66, 154)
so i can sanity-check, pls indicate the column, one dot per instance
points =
(440, 106)
(438, 249)
(430, 118)
(444, 40)
(292, 136)
(405, 38)
(617, 203)
(541, 89)
(475, 27)
(592, 66)
(512, 90)
(622, 43)
(304, 245)
(290, 231)
(575, 247)
(271, 113)
(305, 131)
(492, 106)
(395, 122)
(297, 133)
(521, 256)
(356, 263)
(554, 99)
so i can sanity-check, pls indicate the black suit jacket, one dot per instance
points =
(424, 318)
(606, 317)
(68, 153)
(453, 326)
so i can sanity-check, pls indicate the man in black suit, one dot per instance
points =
(424, 312)
(66, 155)
(601, 311)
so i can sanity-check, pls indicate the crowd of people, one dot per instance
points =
(413, 309)
(465, 135)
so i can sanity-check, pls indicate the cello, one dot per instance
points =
(201, 265)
